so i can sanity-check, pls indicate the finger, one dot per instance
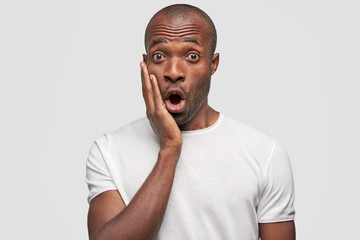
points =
(156, 91)
(147, 88)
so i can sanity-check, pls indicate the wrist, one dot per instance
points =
(172, 152)
(171, 146)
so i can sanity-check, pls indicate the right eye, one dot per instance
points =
(158, 57)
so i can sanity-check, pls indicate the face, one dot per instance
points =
(179, 56)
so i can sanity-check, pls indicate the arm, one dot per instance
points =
(276, 205)
(108, 217)
(277, 231)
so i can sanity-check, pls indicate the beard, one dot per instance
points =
(193, 104)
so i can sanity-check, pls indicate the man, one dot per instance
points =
(187, 171)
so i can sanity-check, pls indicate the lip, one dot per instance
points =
(175, 108)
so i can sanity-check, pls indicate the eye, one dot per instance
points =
(158, 57)
(193, 57)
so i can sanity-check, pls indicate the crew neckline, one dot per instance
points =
(204, 130)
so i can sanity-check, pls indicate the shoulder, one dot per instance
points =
(254, 144)
(248, 134)
(139, 126)
(136, 125)
(124, 130)
(136, 132)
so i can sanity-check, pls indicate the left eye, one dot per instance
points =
(193, 56)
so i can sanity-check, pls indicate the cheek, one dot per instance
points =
(157, 71)
(202, 68)
(199, 76)
(153, 69)
(200, 87)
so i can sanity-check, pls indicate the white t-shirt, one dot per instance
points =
(229, 178)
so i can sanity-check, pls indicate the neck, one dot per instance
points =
(205, 117)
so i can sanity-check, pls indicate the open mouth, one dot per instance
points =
(175, 100)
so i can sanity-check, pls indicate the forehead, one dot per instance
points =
(170, 28)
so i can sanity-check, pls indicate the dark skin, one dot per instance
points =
(178, 57)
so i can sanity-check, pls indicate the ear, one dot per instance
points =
(214, 63)
(144, 58)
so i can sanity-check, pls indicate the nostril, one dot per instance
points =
(174, 79)
(180, 79)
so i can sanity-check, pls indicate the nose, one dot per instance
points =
(174, 71)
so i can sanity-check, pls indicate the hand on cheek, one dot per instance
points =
(160, 119)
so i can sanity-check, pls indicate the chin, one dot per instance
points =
(180, 118)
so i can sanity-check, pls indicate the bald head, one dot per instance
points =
(178, 11)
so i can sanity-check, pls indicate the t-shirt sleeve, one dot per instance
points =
(98, 177)
(276, 202)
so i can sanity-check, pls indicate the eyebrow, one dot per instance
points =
(159, 41)
(192, 41)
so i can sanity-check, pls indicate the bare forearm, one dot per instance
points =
(142, 218)
(278, 231)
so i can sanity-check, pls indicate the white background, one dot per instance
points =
(69, 72)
